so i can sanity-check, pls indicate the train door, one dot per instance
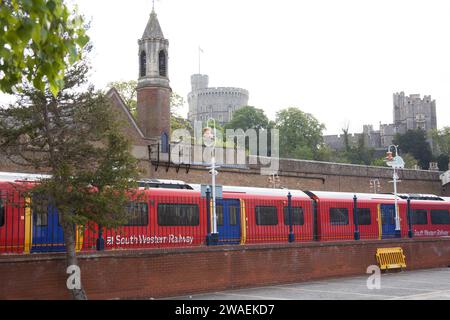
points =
(228, 221)
(387, 212)
(47, 232)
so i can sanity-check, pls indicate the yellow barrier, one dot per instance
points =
(390, 258)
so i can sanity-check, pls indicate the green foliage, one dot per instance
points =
(176, 103)
(359, 154)
(38, 39)
(300, 134)
(128, 92)
(415, 143)
(180, 123)
(443, 160)
(410, 161)
(248, 117)
(442, 140)
(75, 137)
(379, 162)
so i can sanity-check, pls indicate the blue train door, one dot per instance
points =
(228, 221)
(387, 221)
(47, 232)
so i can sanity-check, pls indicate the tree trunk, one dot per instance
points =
(71, 258)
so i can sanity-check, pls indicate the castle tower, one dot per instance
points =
(153, 89)
(217, 103)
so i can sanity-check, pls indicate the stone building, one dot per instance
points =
(217, 103)
(410, 113)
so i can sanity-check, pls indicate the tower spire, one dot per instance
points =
(153, 90)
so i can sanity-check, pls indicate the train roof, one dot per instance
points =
(165, 184)
(257, 191)
(350, 195)
(420, 196)
(377, 196)
(15, 176)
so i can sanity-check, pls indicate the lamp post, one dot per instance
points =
(396, 163)
(375, 185)
(209, 135)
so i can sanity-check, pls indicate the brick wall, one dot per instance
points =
(153, 110)
(311, 175)
(162, 273)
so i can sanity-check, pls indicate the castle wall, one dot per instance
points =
(218, 103)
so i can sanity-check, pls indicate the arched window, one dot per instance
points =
(162, 64)
(143, 64)
(164, 143)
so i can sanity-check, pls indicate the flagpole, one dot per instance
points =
(199, 52)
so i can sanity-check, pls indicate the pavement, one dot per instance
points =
(431, 284)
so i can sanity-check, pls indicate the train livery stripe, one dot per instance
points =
(243, 223)
(380, 233)
(28, 227)
(79, 237)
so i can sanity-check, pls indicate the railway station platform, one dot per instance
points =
(429, 284)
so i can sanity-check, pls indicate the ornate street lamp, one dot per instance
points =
(396, 163)
(209, 139)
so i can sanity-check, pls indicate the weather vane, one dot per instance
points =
(153, 5)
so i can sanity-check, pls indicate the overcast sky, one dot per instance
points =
(339, 60)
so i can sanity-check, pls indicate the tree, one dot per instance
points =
(415, 143)
(128, 92)
(75, 137)
(359, 154)
(300, 134)
(176, 103)
(177, 122)
(441, 138)
(249, 117)
(443, 161)
(37, 40)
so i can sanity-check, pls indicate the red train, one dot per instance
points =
(174, 214)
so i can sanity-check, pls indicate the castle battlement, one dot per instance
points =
(214, 102)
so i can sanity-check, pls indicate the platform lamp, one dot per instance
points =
(396, 163)
(209, 139)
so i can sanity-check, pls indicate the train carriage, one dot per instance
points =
(268, 218)
(174, 214)
(375, 214)
(13, 237)
(430, 218)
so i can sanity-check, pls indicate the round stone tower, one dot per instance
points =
(217, 103)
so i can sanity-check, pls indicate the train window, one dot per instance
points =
(419, 217)
(234, 216)
(137, 213)
(297, 216)
(171, 214)
(440, 217)
(266, 216)
(2, 213)
(364, 218)
(338, 216)
(219, 214)
(40, 211)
